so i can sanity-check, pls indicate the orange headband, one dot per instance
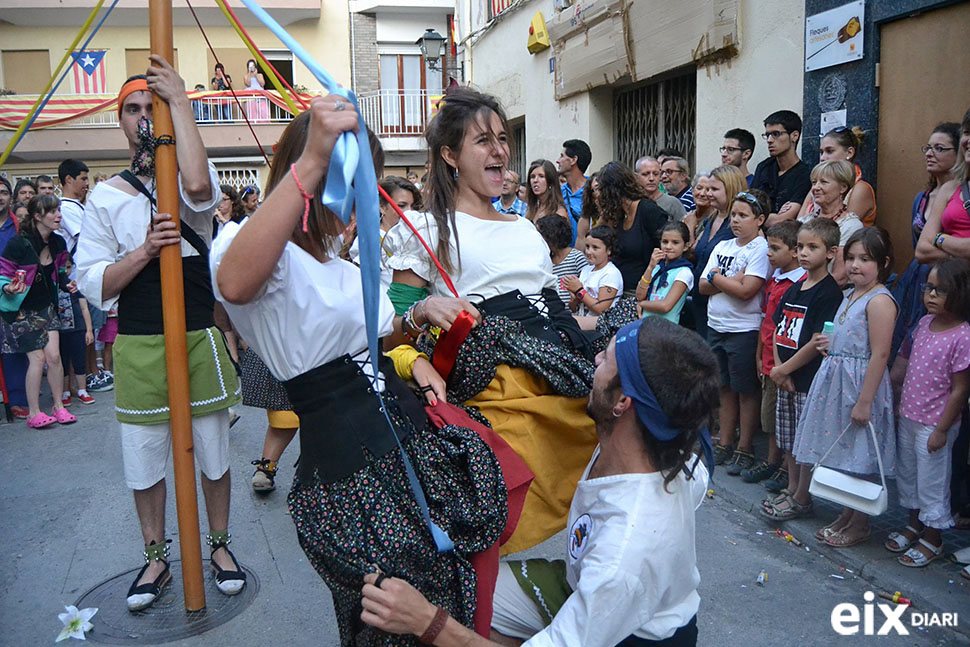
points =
(131, 86)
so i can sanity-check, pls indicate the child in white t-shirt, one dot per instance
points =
(734, 279)
(600, 282)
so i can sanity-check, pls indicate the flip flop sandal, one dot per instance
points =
(64, 416)
(839, 540)
(965, 572)
(40, 421)
(826, 531)
(902, 541)
(917, 559)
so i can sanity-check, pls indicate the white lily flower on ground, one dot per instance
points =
(75, 623)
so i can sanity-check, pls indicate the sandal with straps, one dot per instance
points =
(901, 540)
(916, 558)
(794, 510)
(228, 582)
(142, 596)
(264, 478)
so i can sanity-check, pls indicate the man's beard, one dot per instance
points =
(600, 409)
(143, 161)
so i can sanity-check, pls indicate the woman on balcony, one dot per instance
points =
(256, 109)
(221, 82)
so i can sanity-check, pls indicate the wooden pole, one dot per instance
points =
(173, 314)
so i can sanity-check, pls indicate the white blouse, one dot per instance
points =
(497, 256)
(308, 313)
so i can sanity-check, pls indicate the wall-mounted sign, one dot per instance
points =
(835, 36)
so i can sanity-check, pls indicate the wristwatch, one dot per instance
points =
(710, 276)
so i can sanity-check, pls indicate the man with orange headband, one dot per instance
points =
(117, 261)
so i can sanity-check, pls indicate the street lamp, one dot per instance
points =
(432, 47)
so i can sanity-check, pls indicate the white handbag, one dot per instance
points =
(850, 491)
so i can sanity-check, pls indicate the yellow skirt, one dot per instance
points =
(555, 438)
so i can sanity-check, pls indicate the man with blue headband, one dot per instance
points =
(630, 576)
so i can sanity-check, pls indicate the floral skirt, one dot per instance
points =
(371, 517)
(29, 331)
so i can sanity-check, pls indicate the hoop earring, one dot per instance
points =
(615, 414)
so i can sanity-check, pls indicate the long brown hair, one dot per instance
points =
(323, 226)
(550, 201)
(460, 108)
(617, 183)
(39, 206)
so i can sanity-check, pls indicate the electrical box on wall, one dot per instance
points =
(538, 35)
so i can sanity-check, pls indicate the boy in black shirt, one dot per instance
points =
(783, 176)
(799, 316)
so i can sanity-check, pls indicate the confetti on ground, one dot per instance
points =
(838, 577)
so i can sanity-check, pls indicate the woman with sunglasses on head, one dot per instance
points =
(723, 184)
(249, 197)
(352, 501)
(941, 153)
(843, 144)
(831, 182)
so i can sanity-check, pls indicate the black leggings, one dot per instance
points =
(74, 352)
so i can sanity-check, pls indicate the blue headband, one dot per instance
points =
(635, 387)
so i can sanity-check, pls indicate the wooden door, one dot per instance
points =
(923, 81)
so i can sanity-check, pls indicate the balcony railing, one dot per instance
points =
(398, 113)
(98, 111)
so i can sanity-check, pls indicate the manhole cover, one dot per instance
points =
(167, 619)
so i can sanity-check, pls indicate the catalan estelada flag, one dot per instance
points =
(89, 75)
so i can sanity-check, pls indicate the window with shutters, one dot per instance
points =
(655, 115)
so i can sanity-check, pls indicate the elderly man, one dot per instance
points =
(648, 172)
(117, 260)
(675, 175)
(509, 202)
(654, 388)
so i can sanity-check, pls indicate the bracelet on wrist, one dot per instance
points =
(938, 241)
(437, 624)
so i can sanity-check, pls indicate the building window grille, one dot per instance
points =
(656, 115)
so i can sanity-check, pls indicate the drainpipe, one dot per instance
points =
(353, 53)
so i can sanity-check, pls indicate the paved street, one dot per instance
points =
(69, 524)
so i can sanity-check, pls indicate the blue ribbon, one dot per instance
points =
(351, 181)
(635, 387)
(64, 74)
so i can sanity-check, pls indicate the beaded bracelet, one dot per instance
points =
(306, 196)
(437, 624)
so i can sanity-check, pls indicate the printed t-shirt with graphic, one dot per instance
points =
(608, 276)
(933, 359)
(800, 314)
(683, 274)
(730, 314)
(775, 288)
